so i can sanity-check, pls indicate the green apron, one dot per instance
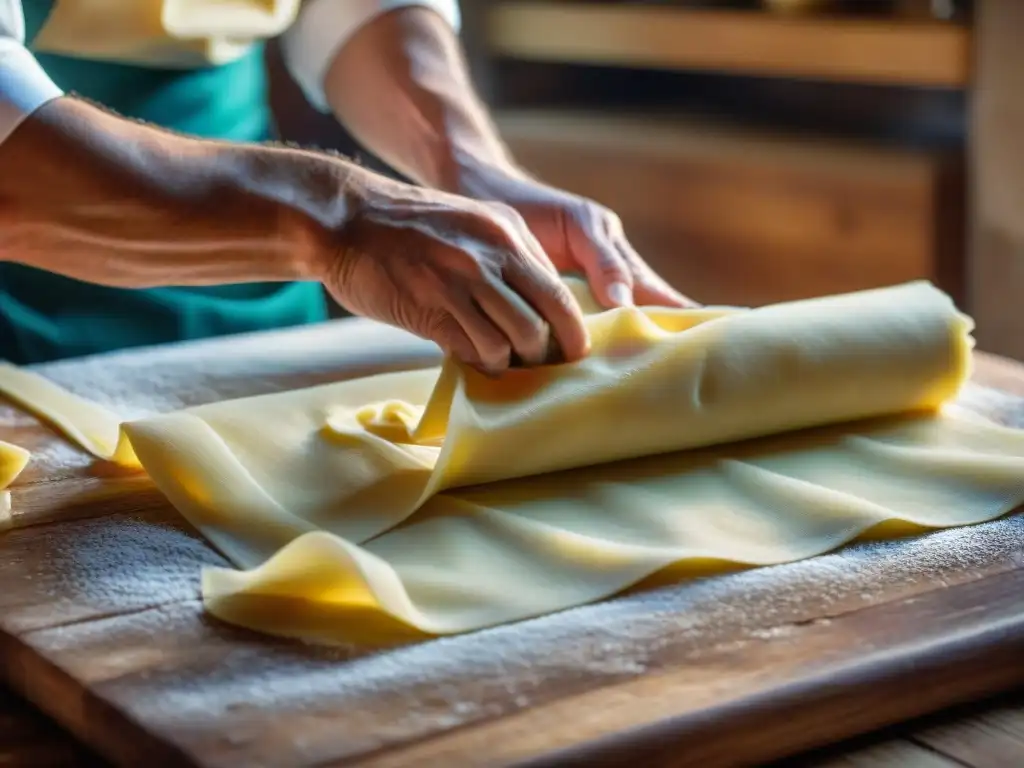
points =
(45, 316)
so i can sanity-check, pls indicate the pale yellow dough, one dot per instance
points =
(90, 425)
(349, 504)
(13, 459)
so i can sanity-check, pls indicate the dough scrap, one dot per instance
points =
(13, 459)
(89, 424)
(441, 501)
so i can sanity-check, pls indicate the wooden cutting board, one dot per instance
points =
(102, 627)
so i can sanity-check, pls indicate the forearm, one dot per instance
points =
(102, 199)
(401, 86)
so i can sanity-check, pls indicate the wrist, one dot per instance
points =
(327, 213)
(312, 199)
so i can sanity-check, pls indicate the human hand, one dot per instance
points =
(465, 274)
(580, 234)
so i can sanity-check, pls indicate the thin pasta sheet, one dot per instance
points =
(443, 501)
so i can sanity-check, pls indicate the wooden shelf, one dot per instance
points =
(739, 216)
(898, 52)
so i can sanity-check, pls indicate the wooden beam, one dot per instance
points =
(904, 52)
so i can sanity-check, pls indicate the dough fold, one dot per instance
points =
(441, 501)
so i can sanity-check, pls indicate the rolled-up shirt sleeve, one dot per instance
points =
(324, 26)
(24, 86)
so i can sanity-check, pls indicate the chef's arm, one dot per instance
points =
(90, 195)
(394, 74)
(93, 196)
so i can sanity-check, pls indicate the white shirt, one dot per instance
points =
(308, 46)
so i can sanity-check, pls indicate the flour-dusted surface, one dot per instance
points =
(140, 382)
(103, 627)
(231, 696)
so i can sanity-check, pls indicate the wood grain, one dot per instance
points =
(101, 625)
(918, 53)
(750, 217)
(891, 754)
(990, 740)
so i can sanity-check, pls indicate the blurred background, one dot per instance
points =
(765, 150)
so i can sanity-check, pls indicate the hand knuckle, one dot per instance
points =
(440, 326)
(510, 221)
(611, 224)
(535, 336)
(610, 263)
(504, 210)
(563, 295)
(496, 356)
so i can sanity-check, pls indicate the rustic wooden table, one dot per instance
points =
(988, 735)
(100, 626)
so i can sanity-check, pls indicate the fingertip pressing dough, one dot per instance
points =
(442, 501)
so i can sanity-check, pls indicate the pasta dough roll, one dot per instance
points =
(357, 458)
(663, 380)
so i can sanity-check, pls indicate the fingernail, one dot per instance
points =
(620, 295)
